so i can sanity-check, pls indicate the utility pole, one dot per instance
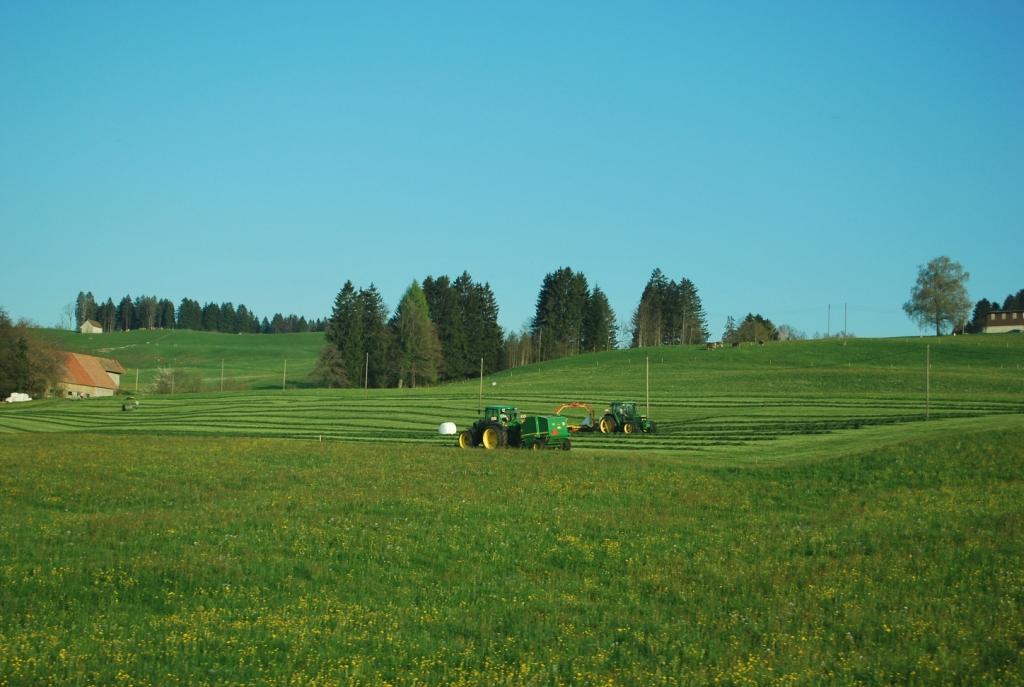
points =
(136, 380)
(366, 373)
(648, 386)
(928, 381)
(480, 400)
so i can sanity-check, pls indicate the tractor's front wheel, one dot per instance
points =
(607, 424)
(466, 439)
(494, 436)
(566, 445)
(652, 428)
(628, 427)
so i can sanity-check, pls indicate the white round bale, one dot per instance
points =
(446, 428)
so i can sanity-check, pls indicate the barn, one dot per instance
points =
(91, 327)
(86, 376)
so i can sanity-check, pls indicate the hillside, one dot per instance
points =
(796, 520)
(722, 402)
(250, 361)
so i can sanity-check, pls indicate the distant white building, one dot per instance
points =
(1002, 321)
(91, 327)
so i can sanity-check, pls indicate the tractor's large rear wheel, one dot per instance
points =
(628, 427)
(466, 439)
(607, 424)
(494, 436)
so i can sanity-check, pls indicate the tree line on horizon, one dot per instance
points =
(149, 312)
(444, 329)
(440, 330)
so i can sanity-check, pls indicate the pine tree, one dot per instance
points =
(598, 323)
(126, 314)
(558, 318)
(756, 329)
(376, 340)
(165, 314)
(145, 312)
(338, 365)
(85, 308)
(417, 351)
(981, 310)
(106, 315)
(730, 334)
(228, 318)
(492, 339)
(445, 313)
(648, 318)
(669, 313)
(693, 320)
(211, 317)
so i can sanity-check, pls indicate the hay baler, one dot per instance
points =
(503, 426)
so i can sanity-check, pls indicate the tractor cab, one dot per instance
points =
(623, 416)
(503, 415)
(625, 409)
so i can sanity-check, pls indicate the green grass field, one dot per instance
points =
(250, 361)
(796, 520)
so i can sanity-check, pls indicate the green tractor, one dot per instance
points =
(623, 416)
(503, 426)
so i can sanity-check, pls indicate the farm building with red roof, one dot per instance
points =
(85, 376)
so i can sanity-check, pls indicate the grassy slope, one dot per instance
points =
(775, 398)
(988, 366)
(794, 522)
(230, 561)
(251, 361)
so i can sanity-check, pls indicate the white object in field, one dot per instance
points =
(17, 397)
(494, 384)
(446, 428)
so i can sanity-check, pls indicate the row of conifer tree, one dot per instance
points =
(446, 329)
(150, 312)
(442, 328)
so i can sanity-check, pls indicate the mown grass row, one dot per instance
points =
(177, 560)
(409, 416)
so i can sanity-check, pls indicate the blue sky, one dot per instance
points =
(784, 156)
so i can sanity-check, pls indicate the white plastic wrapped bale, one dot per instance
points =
(17, 398)
(446, 428)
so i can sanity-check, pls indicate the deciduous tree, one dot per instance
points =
(939, 296)
(27, 364)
